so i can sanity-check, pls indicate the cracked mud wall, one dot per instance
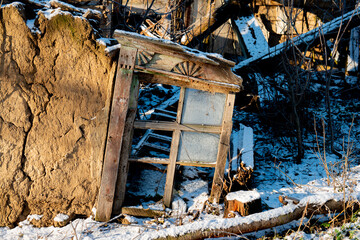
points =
(55, 89)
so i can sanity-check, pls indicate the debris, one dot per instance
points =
(285, 200)
(305, 38)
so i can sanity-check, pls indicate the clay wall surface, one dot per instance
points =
(55, 87)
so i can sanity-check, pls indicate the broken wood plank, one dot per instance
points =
(224, 143)
(172, 126)
(126, 147)
(119, 108)
(341, 23)
(242, 202)
(158, 147)
(170, 174)
(141, 212)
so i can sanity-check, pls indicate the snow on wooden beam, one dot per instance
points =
(315, 204)
(252, 35)
(306, 38)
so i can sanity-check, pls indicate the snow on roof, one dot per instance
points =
(209, 57)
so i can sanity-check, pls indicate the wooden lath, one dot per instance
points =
(166, 63)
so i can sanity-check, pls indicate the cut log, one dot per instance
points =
(242, 202)
(255, 222)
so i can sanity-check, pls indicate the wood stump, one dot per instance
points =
(243, 203)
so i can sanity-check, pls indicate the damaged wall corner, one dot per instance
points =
(55, 89)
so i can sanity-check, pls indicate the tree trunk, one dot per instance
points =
(264, 220)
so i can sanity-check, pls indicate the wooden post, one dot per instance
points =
(353, 57)
(119, 108)
(224, 144)
(173, 154)
(126, 147)
(107, 25)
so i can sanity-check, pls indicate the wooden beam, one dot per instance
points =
(119, 108)
(152, 75)
(126, 147)
(163, 47)
(169, 185)
(166, 161)
(218, 180)
(150, 160)
(172, 126)
(211, 22)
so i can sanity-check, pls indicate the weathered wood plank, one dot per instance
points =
(172, 126)
(166, 161)
(224, 145)
(160, 46)
(211, 22)
(173, 153)
(126, 147)
(120, 103)
(168, 78)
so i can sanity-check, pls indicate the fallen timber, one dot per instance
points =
(308, 207)
(339, 24)
(211, 22)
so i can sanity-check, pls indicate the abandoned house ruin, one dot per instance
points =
(70, 79)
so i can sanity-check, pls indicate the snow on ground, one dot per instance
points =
(279, 176)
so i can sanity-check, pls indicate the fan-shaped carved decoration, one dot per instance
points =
(144, 57)
(188, 68)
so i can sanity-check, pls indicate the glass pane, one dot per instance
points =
(202, 107)
(198, 147)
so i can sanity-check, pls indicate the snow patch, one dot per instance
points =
(34, 217)
(50, 13)
(61, 217)
(243, 196)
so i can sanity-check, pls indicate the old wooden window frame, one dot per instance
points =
(156, 61)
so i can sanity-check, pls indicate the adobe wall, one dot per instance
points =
(55, 88)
